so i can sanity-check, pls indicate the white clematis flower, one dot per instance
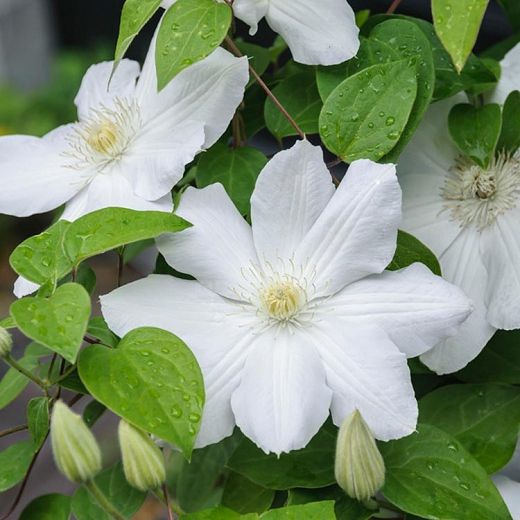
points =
(320, 32)
(131, 143)
(294, 316)
(470, 218)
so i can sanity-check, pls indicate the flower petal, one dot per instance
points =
(209, 324)
(318, 33)
(356, 234)
(218, 249)
(23, 287)
(290, 194)
(501, 257)
(462, 265)
(510, 491)
(97, 89)
(111, 191)
(283, 398)
(366, 371)
(413, 306)
(208, 92)
(510, 77)
(250, 12)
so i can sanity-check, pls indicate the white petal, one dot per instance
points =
(218, 249)
(208, 92)
(461, 264)
(209, 324)
(318, 33)
(95, 90)
(501, 257)
(24, 287)
(290, 194)
(510, 77)
(166, 4)
(414, 307)
(510, 491)
(111, 191)
(34, 177)
(157, 158)
(356, 233)
(250, 12)
(283, 398)
(366, 371)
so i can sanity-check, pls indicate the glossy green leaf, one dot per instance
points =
(365, 115)
(47, 507)
(134, 16)
(475, 130)
(219, 513)
(311, 467)
(152, 380)
(58, 322)
(512, 10)
(431, 475)
(484, 418)
(41, 258)
(92, 412)
(457, 23)
(236, 169)
(7, 323)
(244, 496)
(299, 95)
(190, 30)
(98, 328)
(38, 419)
(410, 250)
(110, 228)
(509, 140)
(313, 511)
(14, 463)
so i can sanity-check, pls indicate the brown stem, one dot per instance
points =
(236, 51)
(393, 6)
(14, 429)
(92, 341)
(120, 266)
(167, 502)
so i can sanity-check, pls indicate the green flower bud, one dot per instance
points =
(359, 468)
(76, 451)
(6, 342)
(143, 461)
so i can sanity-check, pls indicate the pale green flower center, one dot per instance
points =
(282, 300)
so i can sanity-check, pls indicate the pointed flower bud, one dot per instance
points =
(143, 461)
(76, 451)
(6, 342)
(359, 468)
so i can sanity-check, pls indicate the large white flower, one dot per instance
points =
(294, 316)
(508, 484)
(318, 32)
(470, 218)
(131, 143)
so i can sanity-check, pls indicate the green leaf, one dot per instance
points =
(58, 322)
(498, 362)
(98, 328)
(236, 169)
(509, 140)
(110, 228)
(126, 499)
(92, 412)
(190, 31)
(41, 258)
(457, 24)
(311, 467)
(244, 496)
(475, 130)
(38, 419)
(134, 16)
(312, 511)
(410, 250)
(512, 9)
(86, 277)
(47, 507)
(14, 463)
(152, 380)
(8, 323)
(431, 475)
(299, 95)
(259, 57)
(365, 115)
(219, 513)
(484, 418)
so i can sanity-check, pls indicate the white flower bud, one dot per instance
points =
(6, 342)
(76, 451)
(143, 461)
(359, 468)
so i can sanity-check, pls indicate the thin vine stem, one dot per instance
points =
(393, 6)
(34, 378)
(14, 429)
(103, 501)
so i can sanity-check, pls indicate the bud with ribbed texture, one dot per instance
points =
(6, 342)
(359, 468)
(76, 451)
(143, 461)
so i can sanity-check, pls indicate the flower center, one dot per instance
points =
(103, 137)
(282, 300)
(477, 196)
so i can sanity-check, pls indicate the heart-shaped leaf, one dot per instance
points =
(58, 322)
(152, 380)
